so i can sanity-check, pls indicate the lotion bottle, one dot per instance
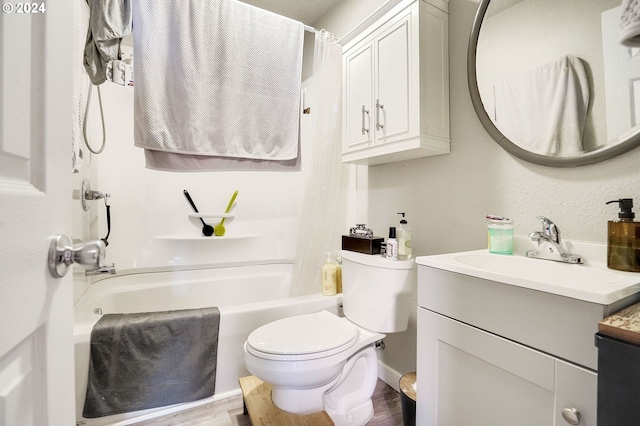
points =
(392, 244)
(623, 242)
(329, 285)
(404, 240)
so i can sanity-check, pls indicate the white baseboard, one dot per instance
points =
(389, 375)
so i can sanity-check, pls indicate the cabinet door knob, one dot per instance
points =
(571, 416)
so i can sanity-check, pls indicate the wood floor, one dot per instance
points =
(386, 406)
(386, 403)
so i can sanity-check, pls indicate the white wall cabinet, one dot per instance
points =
(396, 86)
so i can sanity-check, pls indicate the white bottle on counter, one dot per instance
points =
(392, 244)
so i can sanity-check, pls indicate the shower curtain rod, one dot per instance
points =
(310, 29)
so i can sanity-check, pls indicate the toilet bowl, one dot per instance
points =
(306, 356)
(321, 361)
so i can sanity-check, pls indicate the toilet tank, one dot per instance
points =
(376, 291)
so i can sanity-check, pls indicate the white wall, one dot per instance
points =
(147, 205)
(347, 14)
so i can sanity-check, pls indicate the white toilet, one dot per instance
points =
(320, 361)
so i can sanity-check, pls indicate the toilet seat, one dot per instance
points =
(303, 337)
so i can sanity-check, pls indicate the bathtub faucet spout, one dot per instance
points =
(110, 269)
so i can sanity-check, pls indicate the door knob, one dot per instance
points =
(62, 253)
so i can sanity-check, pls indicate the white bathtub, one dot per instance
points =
(247, 296)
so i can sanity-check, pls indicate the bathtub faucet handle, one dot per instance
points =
(95, 195)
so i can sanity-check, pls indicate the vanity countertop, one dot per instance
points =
(624, 324)
(591, 282)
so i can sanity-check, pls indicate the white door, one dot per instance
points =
(36, 344)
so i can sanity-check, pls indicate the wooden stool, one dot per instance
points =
(262, 411)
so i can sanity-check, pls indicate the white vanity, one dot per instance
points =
(508, 340)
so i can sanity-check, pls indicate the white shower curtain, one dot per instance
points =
(323, 218)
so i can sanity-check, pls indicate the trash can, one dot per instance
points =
(408, 399)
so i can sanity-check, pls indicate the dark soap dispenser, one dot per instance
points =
(623, 243)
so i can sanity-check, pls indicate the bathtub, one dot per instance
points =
(247, 296)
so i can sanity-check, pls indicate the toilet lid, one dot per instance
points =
(303, 334)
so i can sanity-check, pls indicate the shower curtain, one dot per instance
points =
(323, 218)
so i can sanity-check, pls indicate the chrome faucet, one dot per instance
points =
(550, 244)
(550, 229)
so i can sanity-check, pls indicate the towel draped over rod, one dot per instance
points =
(233, 94)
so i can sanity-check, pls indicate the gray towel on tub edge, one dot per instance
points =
(153, 359)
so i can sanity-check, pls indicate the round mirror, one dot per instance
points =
(550, 81)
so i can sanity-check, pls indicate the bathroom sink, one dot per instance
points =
(591, 281)
(549, 271)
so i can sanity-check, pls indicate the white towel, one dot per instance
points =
(170, 162)
(544, 110)
(216, 78)
(630, 23)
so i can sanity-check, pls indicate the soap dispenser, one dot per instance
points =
(404, 239)
(623, 243)
(329, 285)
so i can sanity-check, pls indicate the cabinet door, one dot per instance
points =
(358, 93)
(470, 377)
(394, 93)
(576, 389)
